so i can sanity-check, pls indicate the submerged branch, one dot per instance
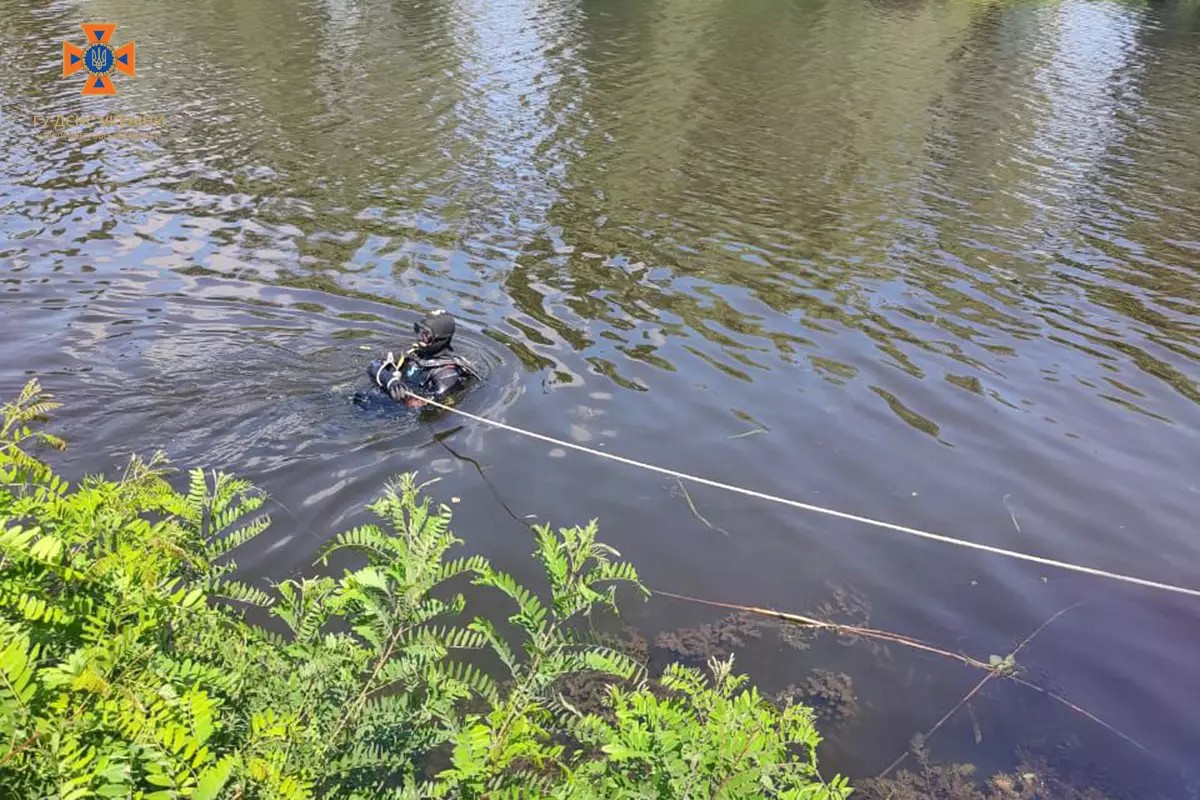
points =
(799, 619)
(998, 668)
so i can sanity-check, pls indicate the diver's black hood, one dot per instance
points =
(434, 333)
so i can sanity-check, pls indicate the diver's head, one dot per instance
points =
(434, 333)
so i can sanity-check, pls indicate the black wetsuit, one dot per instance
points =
(442, 377)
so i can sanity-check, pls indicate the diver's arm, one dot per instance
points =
(385, 372)
(382, 369)
(386, 375)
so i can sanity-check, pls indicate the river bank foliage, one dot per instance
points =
(129, 666)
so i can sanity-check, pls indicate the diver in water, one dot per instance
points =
(429, 370)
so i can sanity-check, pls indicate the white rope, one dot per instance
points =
(936, 537)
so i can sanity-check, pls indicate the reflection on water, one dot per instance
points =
(941, 255)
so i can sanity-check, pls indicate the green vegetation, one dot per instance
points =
(128, 669)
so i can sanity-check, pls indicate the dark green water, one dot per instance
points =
(943, 254)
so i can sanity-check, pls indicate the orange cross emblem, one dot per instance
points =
(98, 58)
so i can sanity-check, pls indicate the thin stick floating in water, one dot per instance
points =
(937, 725)
(747, 433)
(692, 505)
(1082, 711)
(1011, 513)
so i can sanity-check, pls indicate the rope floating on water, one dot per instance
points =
(830, 512)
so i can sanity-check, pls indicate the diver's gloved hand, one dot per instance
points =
(402, 394)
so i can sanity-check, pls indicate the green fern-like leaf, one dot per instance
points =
(366, 758)
(460, 638)
(212, 780)
(37, 609)
(304, 605)
(197, 496)
(493, 639)
(526, 600)
(366, 539)
(17, 666)
(473, 565)
(236, 538)
(240, 593)
(16, 541)
(467, 676)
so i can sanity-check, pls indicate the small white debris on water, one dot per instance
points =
(914, 494)
(455, 499)
(280, 543)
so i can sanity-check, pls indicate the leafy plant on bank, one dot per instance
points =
(128, 668)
